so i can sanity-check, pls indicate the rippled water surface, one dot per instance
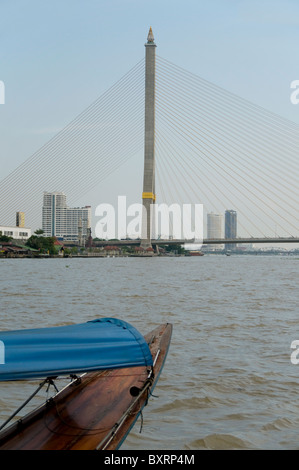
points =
(228, 382)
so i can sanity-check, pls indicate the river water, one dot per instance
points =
(228, 382)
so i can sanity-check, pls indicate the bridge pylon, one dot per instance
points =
(148, 195)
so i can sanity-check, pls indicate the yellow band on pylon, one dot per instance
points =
(149, 196)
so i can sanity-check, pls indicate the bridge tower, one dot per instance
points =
(148, 195)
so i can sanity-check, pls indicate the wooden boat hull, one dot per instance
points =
(94, 412)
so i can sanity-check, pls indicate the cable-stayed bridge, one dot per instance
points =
(207, 241)
(211, 147)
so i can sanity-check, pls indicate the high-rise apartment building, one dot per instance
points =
(230, 228)
(20, 219)
(61, 221)
(214, 228)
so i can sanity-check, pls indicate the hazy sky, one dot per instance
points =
(57, 57)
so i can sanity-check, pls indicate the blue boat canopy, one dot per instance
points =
(106, 343)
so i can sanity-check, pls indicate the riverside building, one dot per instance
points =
(214, 229)
(63, 222)
(19, 232)
(230, 228)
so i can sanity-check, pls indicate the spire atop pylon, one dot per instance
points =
(150, 36)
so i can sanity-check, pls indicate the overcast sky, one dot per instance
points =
(57, 57)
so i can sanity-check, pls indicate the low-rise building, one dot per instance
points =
(17, 233)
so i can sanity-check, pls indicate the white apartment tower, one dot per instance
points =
(215, 228)
(61, 221)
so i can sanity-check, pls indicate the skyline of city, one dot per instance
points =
(61, 221)
(68, 224)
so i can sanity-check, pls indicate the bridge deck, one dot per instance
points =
(218, 241)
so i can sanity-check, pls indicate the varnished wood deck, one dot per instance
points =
(87, 415)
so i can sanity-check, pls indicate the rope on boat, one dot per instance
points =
(49, 381)
(135, 392)
(146, 388)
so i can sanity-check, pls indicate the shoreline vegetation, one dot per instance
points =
(38, 246)
(16, 250)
